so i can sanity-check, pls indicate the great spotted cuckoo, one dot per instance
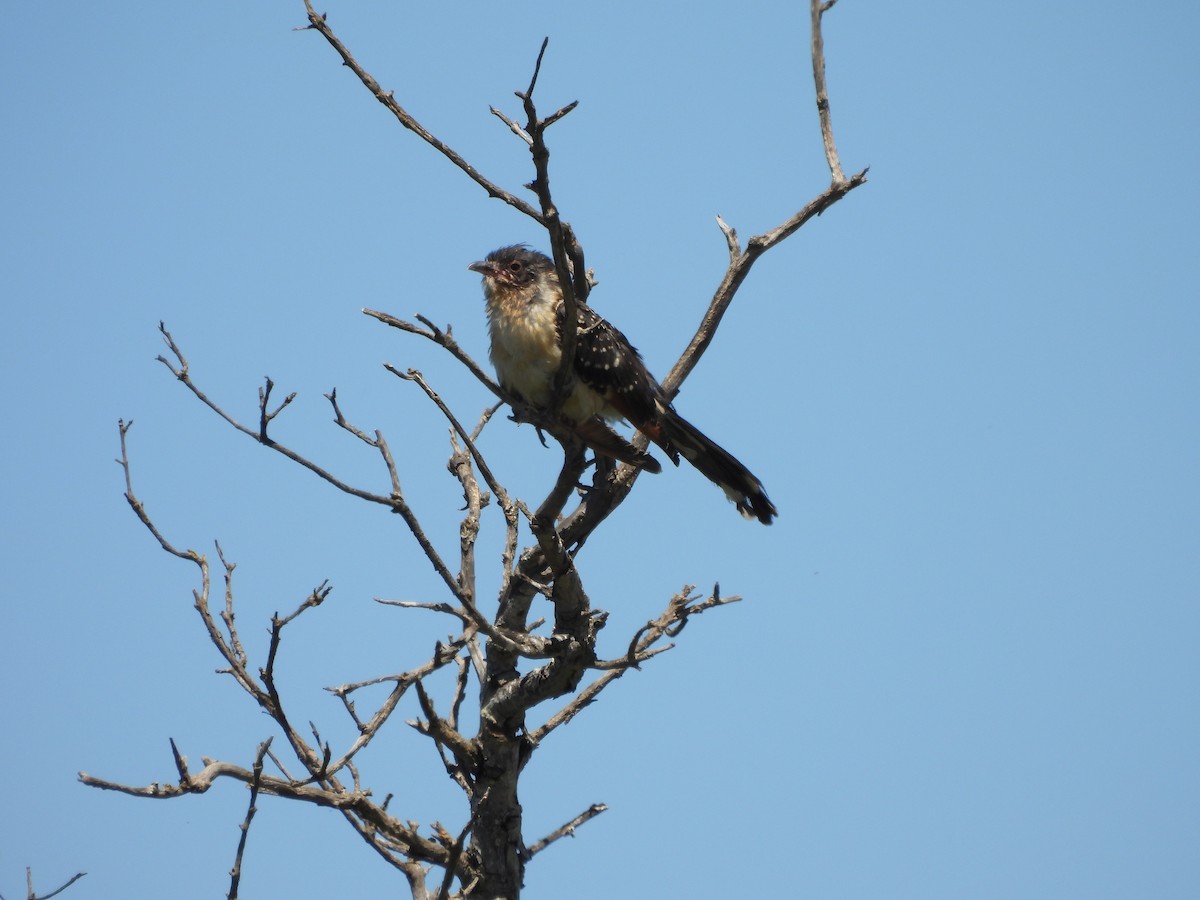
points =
(525, 313)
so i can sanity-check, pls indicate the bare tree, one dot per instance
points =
(515, 664)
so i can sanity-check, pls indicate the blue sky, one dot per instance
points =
(966, 662)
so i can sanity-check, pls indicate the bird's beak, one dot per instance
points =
(484, 268)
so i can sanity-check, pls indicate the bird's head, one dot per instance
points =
(512, 267)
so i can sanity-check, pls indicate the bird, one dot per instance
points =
(525, 314)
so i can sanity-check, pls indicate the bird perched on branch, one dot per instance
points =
(526, 312)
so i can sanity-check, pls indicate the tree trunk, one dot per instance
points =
(496, 836)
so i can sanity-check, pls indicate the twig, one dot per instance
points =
(818, 10)
(140, 510)
(446, 340)
(513, 126)
(443, 654)
(32, 895)
(237, 668)
(456, 611)
(235, 874)
(740, 262)
(227, 614)
(377, 441)
(318, 23)
(395, 502)
(367, 817)
(739, 268)
(680, 607)
(180, 370)
(468, 438)
(445, 735)
(180, 764)
(265, 414)
(316, 598)
(567, 830)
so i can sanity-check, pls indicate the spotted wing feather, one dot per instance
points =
(607, 363)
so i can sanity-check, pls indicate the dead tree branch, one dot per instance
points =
(740, 262)
(318, 23)
(395, 501)
(235, 874)
(567, 830)
(31, 894)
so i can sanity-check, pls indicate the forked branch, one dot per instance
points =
(317, 22)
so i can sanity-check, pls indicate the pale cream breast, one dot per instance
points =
(526, 355)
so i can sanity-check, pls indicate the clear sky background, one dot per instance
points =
(966, 664)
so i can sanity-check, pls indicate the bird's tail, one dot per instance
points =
(716, 464)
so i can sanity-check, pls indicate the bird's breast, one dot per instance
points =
(526, 353)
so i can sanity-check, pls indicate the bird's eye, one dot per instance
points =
(514, 266)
